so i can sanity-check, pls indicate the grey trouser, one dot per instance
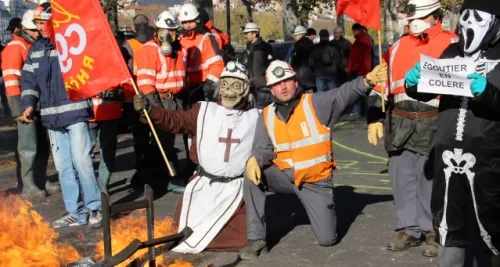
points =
(411, 189)
(106, 135)
(317, 199)
(33, 148)
(168, 138)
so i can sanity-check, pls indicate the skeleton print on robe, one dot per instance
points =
(467, 151)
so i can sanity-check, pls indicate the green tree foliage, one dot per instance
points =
(270, 24)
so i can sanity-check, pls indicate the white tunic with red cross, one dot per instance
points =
(224, 141)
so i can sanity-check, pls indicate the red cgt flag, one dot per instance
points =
(365, 12)
(90, 59)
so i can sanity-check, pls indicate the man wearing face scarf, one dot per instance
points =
(222, 136)
(466, 192)
(292, 152)
(204, 59)
(410, 127)
(160, 77)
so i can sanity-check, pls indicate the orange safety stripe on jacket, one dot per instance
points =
(302, 143)
(105, 110)
(13, 58)
(157, 72)
(405, 53)
(204, 60)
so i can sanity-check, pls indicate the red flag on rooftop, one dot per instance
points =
(364, 12)
(89, 56)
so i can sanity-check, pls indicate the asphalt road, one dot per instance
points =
(363, 201)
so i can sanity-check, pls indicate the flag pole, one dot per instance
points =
(382, 86)
(153, 130)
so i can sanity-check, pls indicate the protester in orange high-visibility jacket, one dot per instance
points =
(107, 109)
(33, 145)
(410, 127)
(161, 70)
(204, 59)
(143, 33)
(292, 152)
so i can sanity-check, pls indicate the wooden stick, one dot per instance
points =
(170, 170)
(380, 61)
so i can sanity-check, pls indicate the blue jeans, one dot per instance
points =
(105, 135)
(325, 83)
(71, 148)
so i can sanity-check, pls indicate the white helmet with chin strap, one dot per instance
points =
(189, 12)
(167, 20)
(27, 21)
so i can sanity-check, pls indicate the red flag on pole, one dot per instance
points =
(89, 56)
(365, 12)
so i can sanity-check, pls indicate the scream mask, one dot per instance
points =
(232, 91)
(477, 30)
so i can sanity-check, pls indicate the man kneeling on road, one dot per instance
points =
(293, 147)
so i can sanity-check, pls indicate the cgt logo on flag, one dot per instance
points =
(88, 54)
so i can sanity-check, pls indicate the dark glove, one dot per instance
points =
(141, 103)
(208, 90)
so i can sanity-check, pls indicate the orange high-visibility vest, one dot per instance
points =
(13, 58)
(302, 143)
(134, 45)
(405, 53)
(157, 72)
(204, 60)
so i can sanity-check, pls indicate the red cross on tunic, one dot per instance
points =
(228, 142)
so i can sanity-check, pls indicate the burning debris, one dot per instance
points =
(28, 240)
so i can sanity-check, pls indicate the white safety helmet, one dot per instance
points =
(416, 9)
(167, 20)
(188, 12)
(236, 70)
(299, 30)
(278, 71)
(251, 27)
(27, 21)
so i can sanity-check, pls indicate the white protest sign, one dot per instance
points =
(445, 76)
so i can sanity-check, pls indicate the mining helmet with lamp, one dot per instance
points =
(42, 12)
(236, 70)
(189, 12)
(167, 20)
(278, 71)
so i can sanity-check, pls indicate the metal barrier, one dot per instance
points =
(170, 241)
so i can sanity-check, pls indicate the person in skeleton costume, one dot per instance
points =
(222, 136)
(467, 151)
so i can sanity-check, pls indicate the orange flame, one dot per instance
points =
(27, 240)
(133, 226)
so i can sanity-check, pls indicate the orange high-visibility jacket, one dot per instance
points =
(302, 142)
(405, 53)
(157, 72)
(204, 60)
(13, 58)
(134, 47)
(105, 110)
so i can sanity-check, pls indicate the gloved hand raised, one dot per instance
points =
(253, 170)
(141, 103)
(377, 75)
(375, 132)
(413, 75)
(478, 85)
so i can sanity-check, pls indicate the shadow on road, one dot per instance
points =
(284, 212)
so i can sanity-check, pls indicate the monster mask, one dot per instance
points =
(233, 84)
(478, 29)
(232, 91)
